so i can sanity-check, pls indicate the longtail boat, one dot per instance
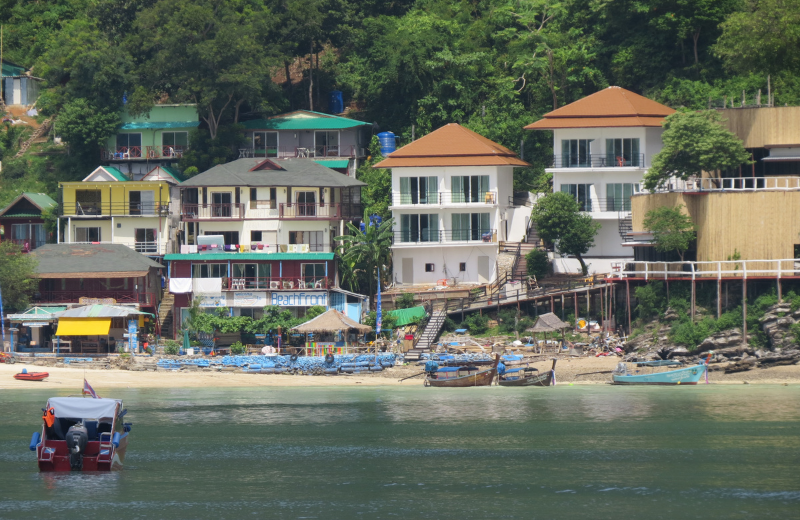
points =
(81, 434)
(528, 377)
(690, 375)
(460, 377)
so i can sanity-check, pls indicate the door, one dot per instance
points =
(408, 270)
(483, 269)
(148, 201)
(221, 204)
(306, 203)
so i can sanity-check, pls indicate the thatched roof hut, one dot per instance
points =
(330, 321)
(548, 323)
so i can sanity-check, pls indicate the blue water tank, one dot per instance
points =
(388, 143)
(375, 220)
(336, 103)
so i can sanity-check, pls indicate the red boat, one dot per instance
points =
(31, 376)
(81, 434)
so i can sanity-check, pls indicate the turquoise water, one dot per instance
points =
(563, 452)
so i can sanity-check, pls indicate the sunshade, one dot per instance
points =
(548, 323)
(331, 321)
(79, 407)
(406, 316)
(83, 326)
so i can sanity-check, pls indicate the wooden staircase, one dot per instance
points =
(38, 133)
(165, 313)
(532, 241)
(428, 336)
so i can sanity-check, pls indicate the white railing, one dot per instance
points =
(720, 269)
(732, 184)
(157, 248)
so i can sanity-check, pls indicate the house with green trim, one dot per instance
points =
(158, 138)
(333, 141)
(19, 87)
(22, 221)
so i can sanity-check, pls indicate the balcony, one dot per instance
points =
(317, 211)
(276, 283)
(732, 184)
(445, 198)
(213, 211)
(598, 161)
(445, 236)
(138, 153)
(113, 209)
(146, 299)
(284, 152)
(148, 248)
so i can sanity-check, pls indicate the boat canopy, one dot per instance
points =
(79, 407)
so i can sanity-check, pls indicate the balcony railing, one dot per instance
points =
(733, 184)
(441, 198)
(213, 211)
(276, 283)
(311, 211)
(425, 236)
(127, 153)
(148, 299)
(282, 152)
(156, 248)
(26, 244)
(598, 161)
(96, 209)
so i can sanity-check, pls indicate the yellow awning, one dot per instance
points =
(83, 326)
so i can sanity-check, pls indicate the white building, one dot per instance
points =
(452, 194)
(603, 145)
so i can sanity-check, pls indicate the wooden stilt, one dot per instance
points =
(719, 298)
(693, 298)
(562, 307)
(780, 292)
(588, 303)
(602, 310)
(575, 300)
(552, 305)
(628, 291)
(744, 312)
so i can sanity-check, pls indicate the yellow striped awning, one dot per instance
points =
(83, 326)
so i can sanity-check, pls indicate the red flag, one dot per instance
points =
(88, 390)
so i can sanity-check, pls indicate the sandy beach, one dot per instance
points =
(567, 372)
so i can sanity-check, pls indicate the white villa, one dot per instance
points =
(603, 145)
(452, 201)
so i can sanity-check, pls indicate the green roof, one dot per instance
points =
(304, 120)
(11, 69)
(250, 256)
(40, 200)
(44, 310)
(21, 214)
(335, 163)
(406, 316)
(115, 173)
(173, 173)
(160, 124)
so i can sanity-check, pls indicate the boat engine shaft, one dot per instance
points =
(77, 437)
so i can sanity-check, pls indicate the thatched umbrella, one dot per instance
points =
(330, 321)
(548, 323)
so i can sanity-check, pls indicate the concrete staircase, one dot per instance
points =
(625, 226)
(428, 336)
(165, 314)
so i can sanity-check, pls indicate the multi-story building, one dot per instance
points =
(603, 145)
(259, 232)
(452, 202)
(336, 142)
(107, 207)
(22, 221)
(158, 138)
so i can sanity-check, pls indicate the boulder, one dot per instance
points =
(721, 340)
(670, 314)
(679, 352)
(740, 366)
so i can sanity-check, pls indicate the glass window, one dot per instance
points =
(326, 144)
(419, 190)
(128, 145)
(209, 270)
(582, 193)
(576, 153)
(419, 228)
(470, 226)
(312, 272)
(32, 234)
(87, 234)
(265, 144)
(469, 188)
(176, 139)
(618, 196)
(623, 152)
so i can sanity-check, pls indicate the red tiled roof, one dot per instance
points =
(611, 107)
(452, 145)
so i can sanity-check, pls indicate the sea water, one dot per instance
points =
(342, 453)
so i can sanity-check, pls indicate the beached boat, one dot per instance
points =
(81, 434)
(31, 376)
(643, 373)
(459, 377)
(524, 376)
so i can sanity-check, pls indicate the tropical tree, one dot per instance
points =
(371, 249)
(694, 142)
(672, 229)
(17, 276)
(559, 220)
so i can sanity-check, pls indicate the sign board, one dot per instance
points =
(133, 329)
(299, 298)
(35, 324)
(212, 301)
(250, 299)
(97, 301)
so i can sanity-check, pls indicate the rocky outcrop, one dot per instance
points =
(731, 338)
(776, 323)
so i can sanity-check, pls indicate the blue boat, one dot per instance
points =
(682, 376)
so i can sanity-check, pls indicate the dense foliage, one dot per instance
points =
(17, 271)
(672, 229)
(559, 220)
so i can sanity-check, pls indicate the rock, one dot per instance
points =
(776, 323)
(759, 353)
(740, 366)
(678, 352)
(721, 340)
(670, 314)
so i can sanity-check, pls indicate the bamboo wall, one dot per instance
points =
(760, 225)
(760, 127)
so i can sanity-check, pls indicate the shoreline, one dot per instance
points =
(567, 371)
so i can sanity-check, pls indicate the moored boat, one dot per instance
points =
(524, 376)
(31, 376)
(81, 434)
(460, 377)
(682, 376)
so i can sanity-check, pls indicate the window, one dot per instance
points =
(145, 240)
(230, 237)
(87, 202)
(576, 153)
(209, 270)
(314, 239)
(469, 188)
(471, 226)
(623, 152)
(87, 234)
(265, 144)
(32, 234)
(419, 190)
(174, 143)
(256, 276)
(221, 204)
(618, 196)
(306, 203)
(462, 266)
(326, 144)
(582, 193)
(312, 272)
(428, 268)
(128, 145)
(142, 202)
(255, 236)
(419, 228)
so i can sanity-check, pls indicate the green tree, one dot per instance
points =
(559, 220)
(694, 142)
(377, 194)
(538, 263)
(85, 126)
(17, 276)
(672, 229)
(371, 249)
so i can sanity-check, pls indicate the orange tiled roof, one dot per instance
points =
(452, 145)
(611, 107)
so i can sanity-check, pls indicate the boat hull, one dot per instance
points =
(683, 376)
(545, 379)
(53, 456)
(483, 378)
(31, 376)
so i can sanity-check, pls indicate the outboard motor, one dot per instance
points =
(77, 437)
